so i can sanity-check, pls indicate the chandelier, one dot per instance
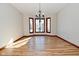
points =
(40, 14)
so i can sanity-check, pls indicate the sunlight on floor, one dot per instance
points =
(18, 43)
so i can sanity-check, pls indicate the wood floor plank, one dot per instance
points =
(42, 46)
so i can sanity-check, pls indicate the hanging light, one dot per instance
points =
(40, 14)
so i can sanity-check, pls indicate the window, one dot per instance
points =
(31, 25)
(39, 25)
(48, 25)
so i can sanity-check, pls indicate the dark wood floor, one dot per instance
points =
(42, 46)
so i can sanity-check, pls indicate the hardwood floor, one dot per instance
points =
(42, 46)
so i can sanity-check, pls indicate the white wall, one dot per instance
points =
(53, 26)
(68, 23)
(11, 24)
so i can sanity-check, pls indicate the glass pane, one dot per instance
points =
(31, 25)
(42, 26)
(39, 25)
(48, 25)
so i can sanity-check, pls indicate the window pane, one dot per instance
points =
(39, 25)
(48, 25)
(31, 25)
(42, 25)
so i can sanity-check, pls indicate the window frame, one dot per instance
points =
(44, 25)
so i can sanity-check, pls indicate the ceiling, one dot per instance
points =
(31, 9)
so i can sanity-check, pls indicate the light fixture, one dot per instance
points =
(40, 14)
